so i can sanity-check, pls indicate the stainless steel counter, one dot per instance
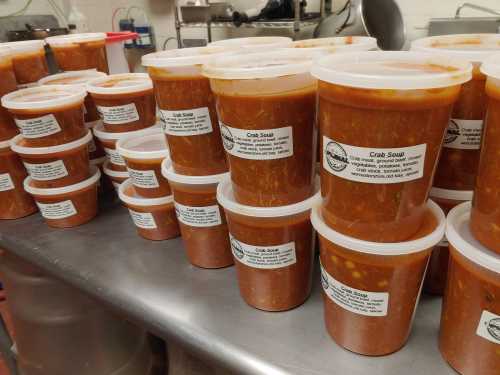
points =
(152, 283)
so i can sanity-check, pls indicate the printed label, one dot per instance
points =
(59, 210)
(489, 327)
(121, 114)
(47, 171)
(264, 144)
(114, 156)
(373, 165)
(143, 179)
(188, 122)
(464, 134)
(39, 126)
(6, 182)
(352, 299)
(207, 216)
(264, 257)
(143, 220)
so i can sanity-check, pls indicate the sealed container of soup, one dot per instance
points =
(382, 118)
(266, 104)
(28, 61)
(143, 156)
(371, 289)
(67, 206)
(14, 201)
(47, 115)
(55, 166)
(155, 218)
(338, 44)
(125, 102)
(254, 43)
(8, 84)
(187, 109)
(80, 51)
(470, 320)
(116, 177)
(457, 167)
(201, 219)
(273, 249)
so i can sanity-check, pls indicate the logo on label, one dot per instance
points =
(336, 156)
(227, 137)
(324, 280)
(452, 133)
(493, 327)
(237, 249)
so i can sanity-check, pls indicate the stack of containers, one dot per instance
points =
(29, 61)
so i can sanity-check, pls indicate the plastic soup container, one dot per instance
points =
(47, 115)
(80, 51)
(371, 289)
(29, 61)
(254, 44)
(266, 104)
(201, 219)
(126, 102)
(14, 201)
(8, 128)
(338, 44)
(382, 118)
(459, 159)
(470, 321)
(67, 206)
(187, 108)
(116, 177)
(155, 218)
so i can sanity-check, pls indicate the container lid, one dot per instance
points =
(5, 144)
(226, 199)
(62, 40)
(77, 78)
(454, 195)
(338, 44)
(43, 97)
(255, 43)
(25, 46)
(152, 146)
(398, 70)
(102, 134)
(491, 66)
(168, 172)
(96, 175)
(5, 51)
(112, 173)
(460, 237)
(183, 56)
(120, 84)
(137, 200)
(98, 161)
(380, 248)
(47, 150)
(470, 47)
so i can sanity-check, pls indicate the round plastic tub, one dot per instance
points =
(29, 61)
(254, 43)
(143, 157)
(371, 289)
(338, 44)
(266, 104)
(14, 201)
(437, 271)
(80, 51)
(126, 102)
(105, 184)
(155, 218)
(201, 220)
(116, 177)
(457, 167)
(55, 166)
(382, 119)
(187, 108)
(47, 115)
(470, 321)
(8, 84)
(273, 248)
(67, 206)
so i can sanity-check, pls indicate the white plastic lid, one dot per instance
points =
(65, 189)
(102, 134)
(62, 40)
(226, 199)
(5, 51)
(491, 66)
(460, 237)
(136, 200)
(380, 248)
(152, 146)
(77, 78)
(112, 173)
(471, 47)
(454, 195)
(339, 43)
(399, 70)
(5, 144)
(98, 161)
(183, 56)
(43, 97)
(120, 84)
(47, 150)
(25, 46)
(168, 172)
(255, 43)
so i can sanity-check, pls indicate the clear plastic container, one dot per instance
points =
(470, 321)
(8, 84)
(29, 61)
(254, 43)
(371, 289)
(382, 119)
(116, 177)
(338, 44)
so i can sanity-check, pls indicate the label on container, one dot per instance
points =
(120, 114)
(208, 216)
(374, 165)
(47, 171)
(114, 156)
(60, 210)
(39, 126)
(489, 327)
(354, 300)
(264, 257)
(264, 144)
(6, 182)
(463, 134)
(186, 122)
(144, 220)
(143, 179)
